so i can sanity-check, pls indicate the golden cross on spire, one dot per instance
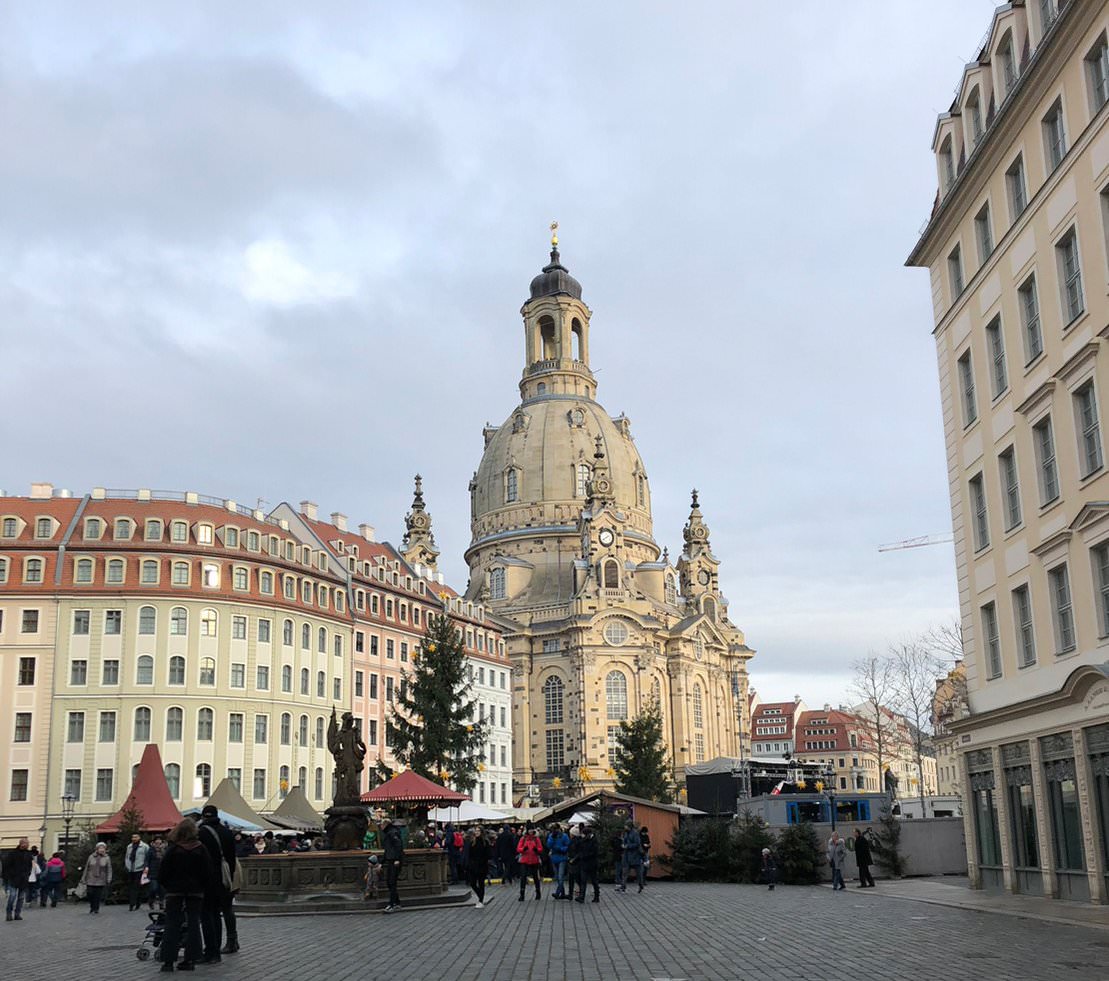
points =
(554, 234)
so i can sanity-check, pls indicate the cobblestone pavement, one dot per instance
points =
(671, 931)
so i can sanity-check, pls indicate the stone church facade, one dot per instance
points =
(598, 621)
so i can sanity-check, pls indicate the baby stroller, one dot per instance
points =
(153, 939)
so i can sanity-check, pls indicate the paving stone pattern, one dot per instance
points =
(671, 931)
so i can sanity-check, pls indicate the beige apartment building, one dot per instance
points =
(599, 622)
(1016, 248)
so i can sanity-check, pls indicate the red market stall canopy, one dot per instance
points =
(149, 795)
(410, 788)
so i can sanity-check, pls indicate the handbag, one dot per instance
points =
(81, 890)
(225, 872)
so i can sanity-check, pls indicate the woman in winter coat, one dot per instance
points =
(186, 875)
(478, 853)
(530, 850)
(97, 876)
(52, 879)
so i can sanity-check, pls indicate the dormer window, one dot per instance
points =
(1007, 64)
(179, 531)
(947, 164)
(231, 537)
(44, 528)
(205, 534)
(253, 541)
(974, 115)
(153, 530)
(497, 584)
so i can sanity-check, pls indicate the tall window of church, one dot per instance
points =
(699, 747)
(553, 690)
(555, 754)
(610, 578)
(547, 335)
(641, 483)
(496, 584)
(613, 743)
(709, 607)
(616, 695)
(511, 486)
(575, 338)
(584, 474)
(698, 708)
(671, 590)
(656, 693)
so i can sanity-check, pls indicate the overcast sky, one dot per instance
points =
(275, 250)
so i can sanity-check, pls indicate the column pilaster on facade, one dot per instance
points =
(1095, 860)
(970, 829)
(1043, 821)
(1004, 823)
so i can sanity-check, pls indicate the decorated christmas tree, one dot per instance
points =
(433, 728)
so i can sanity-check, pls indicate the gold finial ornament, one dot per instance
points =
(554, 234)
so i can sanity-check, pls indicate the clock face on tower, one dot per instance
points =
(606, 537)
(704, 577)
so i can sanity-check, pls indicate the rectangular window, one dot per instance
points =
(235, 727)
(1066, 817)
(73, 784)
(1097, 71)
(113, 622)
(262, 677)
(109, 674)
(555, 750)
(955, 272)
(995, 341)
(1017, 186)
(389, 654)
(966, 385)
(1055, 137)
(991, 640)
(238, 675)
(19, 786)
(1026, 638)
(22, 727)
(26, 671)
(983, 234)
(1070, 277)
(259, 789)
(373, 686)
(373, 732)
(373, 646)
(978, 508)
(79, 672)
(359, 642)
(403, 650)
(1030, 320)
(81, 619)
(1100, 556)
(29, 622)
(1061, 612)
(107, 727)
(261, 728)
(1044, 440)
(75, 727)
(104, 779)
(238, 628)
(1089, 437)
(1010, 488)
(359, 683)
(388, 689)
(264, 630)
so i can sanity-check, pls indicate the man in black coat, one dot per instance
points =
(588, 862)
(863, 859)
(392, 859)
(220, 843)
(17, 872)
(506, 855)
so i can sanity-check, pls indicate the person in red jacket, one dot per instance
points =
(530, 853)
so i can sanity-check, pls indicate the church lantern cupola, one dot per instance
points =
(419, 542)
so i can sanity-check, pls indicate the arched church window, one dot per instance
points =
(616, 695)
(641, 483)
(496, 584)
(541, 388)
(548, 338)
(576, 332)
(584, 473)
(671, 590)
(553, 691)
(656, 693)
(698, 708)
(610, 574)
(511, 486)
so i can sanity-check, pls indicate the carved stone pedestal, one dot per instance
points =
(345, 826)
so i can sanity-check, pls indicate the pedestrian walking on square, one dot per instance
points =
(478, 853)
(863, 859)
(219, 910)
(17, 865)
(645, 841)
(52, 879)
(34, 880)
(617, 846)
(558, 847)
(633, 857)
(97, 876)
(837, 854)
(454, 842)
(153, 867)
(134, 864)
(188, 877)
(530, 850)
(506, 854)
(589, 861)
(769, 869)
(393, 858)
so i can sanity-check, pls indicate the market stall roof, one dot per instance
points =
(560, 812)
(234, 823)
(465, 812)
(149, 795)
(296, 813)
(227, 798)
(410, 788)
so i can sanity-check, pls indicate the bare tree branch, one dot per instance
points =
(874, 685)
(945, 641)
(914, 688)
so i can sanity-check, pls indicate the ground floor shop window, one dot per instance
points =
(985, 819)
(1066, 816)
(1022, 818)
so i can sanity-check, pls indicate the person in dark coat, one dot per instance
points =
(153, 867)
(187, 876)
(769, 869)
(17, 873)
(589, 864)
(617, 846)
(633, 857)
(478, 853)
(863, 859)
(218, 911)
(393, 858)
(506, 854)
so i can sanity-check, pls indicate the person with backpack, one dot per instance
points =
(558, 847)
(530, 851)
(218, 909)
(52, 879)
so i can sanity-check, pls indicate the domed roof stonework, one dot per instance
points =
(554, 279)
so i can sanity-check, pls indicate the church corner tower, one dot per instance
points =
(418, 542)
(599, 624)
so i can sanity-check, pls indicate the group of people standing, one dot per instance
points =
(837, 856)
(28, 875)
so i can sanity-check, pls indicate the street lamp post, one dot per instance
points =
(69, 804)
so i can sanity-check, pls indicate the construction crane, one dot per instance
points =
(917, 542)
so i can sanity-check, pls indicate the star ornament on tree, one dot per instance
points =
(801, 785)
(819, 785)
(556, 783)
(443, 775)
(583, 774)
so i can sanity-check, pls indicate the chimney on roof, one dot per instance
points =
(366, 531)
(440, 579)
(827, 707)
(65, 492)
(309, 510)
(42, 491)
(339, 520)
